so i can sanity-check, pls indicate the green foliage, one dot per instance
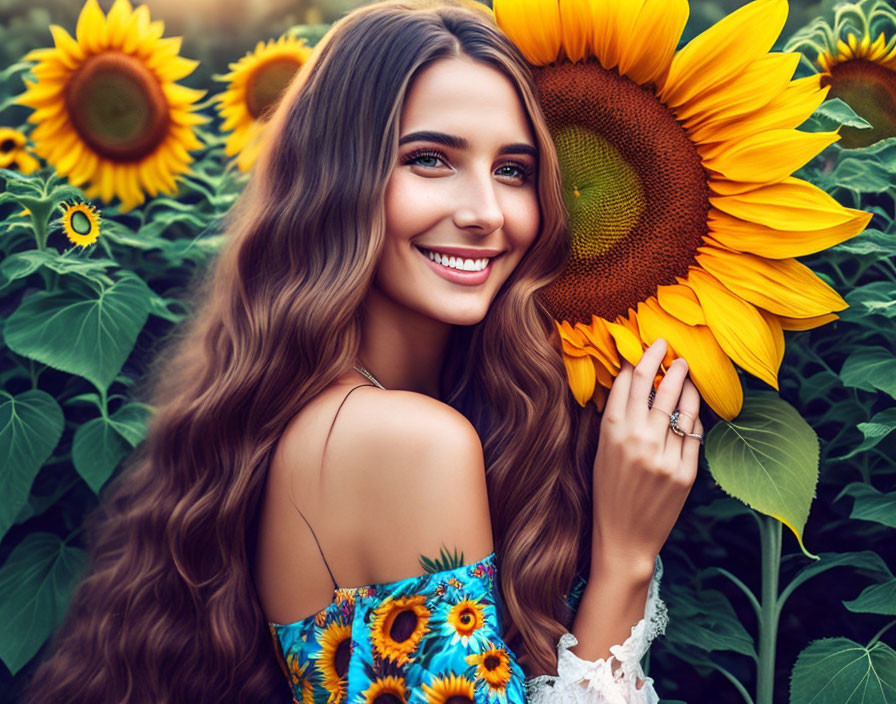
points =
(445, 561)
(840, 671)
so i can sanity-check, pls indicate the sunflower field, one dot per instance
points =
(731, 189)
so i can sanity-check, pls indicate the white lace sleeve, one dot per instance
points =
(603, 685)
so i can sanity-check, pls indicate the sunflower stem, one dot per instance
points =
(770, 536)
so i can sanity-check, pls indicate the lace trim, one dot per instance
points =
(603, 685)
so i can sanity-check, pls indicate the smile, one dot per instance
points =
(459, 270)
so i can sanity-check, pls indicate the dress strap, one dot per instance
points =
(326, 564)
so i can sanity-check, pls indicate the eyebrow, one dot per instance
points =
(450, 140)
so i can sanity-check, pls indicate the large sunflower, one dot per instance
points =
(861, 72)
(398, 626)
(683, 215)
(107, 109)
(492, 666)
(255, 84)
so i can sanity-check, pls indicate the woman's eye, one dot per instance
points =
(514, 172)
(426, 159)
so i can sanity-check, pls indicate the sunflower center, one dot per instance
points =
(7, 145)
(466, 618)
(266, 83)
(870, 90)
(341, 657)
(458, 699)
(491, 662)
(80, 223)
(388, 698)
(117, 106)
(634, 187)
(403, 626)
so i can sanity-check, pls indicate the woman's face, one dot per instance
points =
(463, 185)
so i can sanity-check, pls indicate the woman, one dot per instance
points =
(411, 132)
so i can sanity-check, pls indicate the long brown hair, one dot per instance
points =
(168, 611)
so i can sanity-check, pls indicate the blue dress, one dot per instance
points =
(430, 639)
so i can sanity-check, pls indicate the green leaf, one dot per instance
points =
(862, 176)
(35, 587)
(21, 264)
(875, 298)
(840, 671)
(834, 112)
(768, 458)
(83, 330)
(865, 561)
(871, 504)
(31, 424)
(870, 368)
(875, 599)
(97, 448)
(870, 242)
(875, 430)
(129, 421)
(705, 619)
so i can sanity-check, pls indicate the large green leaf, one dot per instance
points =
(866, 562)
(840, 671)
(768, 458)
(88, 330)
(870, 368)
(21, 264)
(35, 586)
(705, 619)
(875, 599)
(97, 448)
(31, 424)
(834, 112)
(871, 504)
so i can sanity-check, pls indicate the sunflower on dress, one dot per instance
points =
(860, 71)
(397, 626)
(462, 622)
(492, 673)
(300, 678)
(108, 111)
(333, 658)
(386, 690)
(449, 688)
(684, 218)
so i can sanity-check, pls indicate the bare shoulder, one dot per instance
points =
(416, 474)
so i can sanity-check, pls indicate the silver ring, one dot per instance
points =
(673, 425)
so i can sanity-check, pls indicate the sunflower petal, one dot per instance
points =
(91, 27)
(657, 30)
(723, 50)
(581, 377)
(769, 156)
(627, 342)
(709, 367)
(681, 302)
(737, 325)
(533, 25)
(806, 323)
(575, 29)
(774, 324)
(782, 244)
(781, 286)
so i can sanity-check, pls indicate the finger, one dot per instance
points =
(690, 452)
(642, 381)
(667, 396)
(619, 391)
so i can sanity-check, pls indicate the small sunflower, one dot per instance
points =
(255, 84)
(14, 153)
(449, 688)
(684, 218)
(493, 666)
(386, 690)
(333, 659)
(81, 223)
(861, 72)
(463, 622)
(397, 627)
(107, 109)
(300, 679)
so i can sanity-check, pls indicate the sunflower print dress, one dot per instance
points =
(436, 639)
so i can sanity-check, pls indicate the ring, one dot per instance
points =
(673, 426)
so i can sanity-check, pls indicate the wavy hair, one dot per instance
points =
(168, 610)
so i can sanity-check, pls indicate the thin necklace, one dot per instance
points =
(370, 376)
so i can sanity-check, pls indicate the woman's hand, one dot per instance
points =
(643, 471)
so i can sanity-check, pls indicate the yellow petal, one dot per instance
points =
(657, 30)
(581, 377)
(620, 17)
(792, 204)
(781, 286)
(91, 28)
(723, 50)
(575, 28)
(533, 25)
(681, 302)
(806, 323)
(774, 243)
(769, 156)
(627, 342)
(754, 87)
(116, 23)
(598, 335)
(70, 52)
(774, 324)
(738, 327)
(709, 367)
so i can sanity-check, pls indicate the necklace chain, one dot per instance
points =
(362, 370)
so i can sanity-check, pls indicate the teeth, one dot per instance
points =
(457, 262)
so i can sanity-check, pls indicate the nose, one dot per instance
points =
(478, 209)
